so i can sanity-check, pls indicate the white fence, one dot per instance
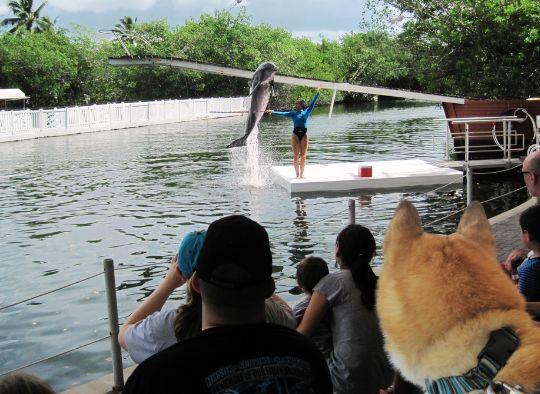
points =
(27, 124)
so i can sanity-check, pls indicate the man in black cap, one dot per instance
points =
(237, 352)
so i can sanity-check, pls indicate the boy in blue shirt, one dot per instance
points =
(529, 270)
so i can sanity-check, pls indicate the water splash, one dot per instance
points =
(252, 162)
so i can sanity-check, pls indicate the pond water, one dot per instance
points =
(69, 202)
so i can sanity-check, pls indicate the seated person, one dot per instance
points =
(236, 352)
(150, 329)
(357, 362)
(308, 273)
(529, 270)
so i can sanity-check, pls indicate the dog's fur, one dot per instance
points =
(440, 297)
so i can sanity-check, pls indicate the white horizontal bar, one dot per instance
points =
(314, 83)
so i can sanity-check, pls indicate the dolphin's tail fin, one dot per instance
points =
(239, 142)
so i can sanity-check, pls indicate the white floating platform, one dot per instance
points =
(344, 176)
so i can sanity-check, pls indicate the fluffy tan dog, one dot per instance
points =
(440, 297)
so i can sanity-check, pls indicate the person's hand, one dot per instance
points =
(268, 111)
(174, 277)
(515, 255)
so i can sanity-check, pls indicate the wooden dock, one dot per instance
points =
(482, 164)
(102, 385)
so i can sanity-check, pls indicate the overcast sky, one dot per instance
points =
(330, 18)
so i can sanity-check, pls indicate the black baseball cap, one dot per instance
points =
(236, 256)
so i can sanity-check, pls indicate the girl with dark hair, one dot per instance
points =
(358, 363)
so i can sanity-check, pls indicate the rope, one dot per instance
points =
(140, 266)
(483, 202)
(319, 203)
(498, 172)
(313, 223)
(56, 355)
(448, 184)
(504, 195)
(49, 292)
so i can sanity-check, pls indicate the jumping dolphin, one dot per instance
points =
(262, 86)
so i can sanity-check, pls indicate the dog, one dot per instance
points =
(440, 298)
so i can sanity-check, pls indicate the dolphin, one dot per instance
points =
(262, 87)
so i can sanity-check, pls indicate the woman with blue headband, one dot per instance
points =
(150, 328)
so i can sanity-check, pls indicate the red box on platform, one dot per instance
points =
(365, 171)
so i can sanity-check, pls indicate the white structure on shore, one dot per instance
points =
(28, 124)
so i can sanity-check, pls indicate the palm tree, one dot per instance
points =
(25, 17)
(126, 23)
(44, 24)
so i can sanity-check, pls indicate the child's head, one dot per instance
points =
(529, 221)
(309, 272)
(188, 253)
(23, 383)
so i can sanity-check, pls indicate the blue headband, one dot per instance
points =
(188, 253)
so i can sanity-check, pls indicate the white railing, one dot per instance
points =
(27, 124)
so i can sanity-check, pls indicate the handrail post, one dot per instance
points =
(447, 145)
(467, 144)
(352, 212)
(112, 306)
(469, 191)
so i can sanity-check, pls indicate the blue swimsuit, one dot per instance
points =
(300, 118)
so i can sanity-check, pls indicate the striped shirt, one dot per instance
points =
(529, 279)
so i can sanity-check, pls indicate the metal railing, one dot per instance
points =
(510, 137)
(510, 140)
(26, 124)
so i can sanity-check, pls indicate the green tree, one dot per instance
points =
(44, 66)
(45, 24)
(376, 58)
(488, 48)
(126, 23)
(25, 16)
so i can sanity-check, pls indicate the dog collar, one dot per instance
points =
(500, 346)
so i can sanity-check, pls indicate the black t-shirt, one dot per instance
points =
(261, 358)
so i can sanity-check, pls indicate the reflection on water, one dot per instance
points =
(69, 202)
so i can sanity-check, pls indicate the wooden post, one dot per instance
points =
(110, 287)
(352, 212)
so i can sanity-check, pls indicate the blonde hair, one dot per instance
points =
(188, 320)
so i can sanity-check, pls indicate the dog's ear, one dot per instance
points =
(475, 226)
(405, 224)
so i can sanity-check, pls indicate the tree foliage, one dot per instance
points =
(46, 66)
(472, 48)
(488, 48)
(26, 17)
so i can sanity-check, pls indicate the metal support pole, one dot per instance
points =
(110, 287)
(352, 212)
(506, 139)
(332, 102)
(469, 175)
(447, 144)
(467, 144)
